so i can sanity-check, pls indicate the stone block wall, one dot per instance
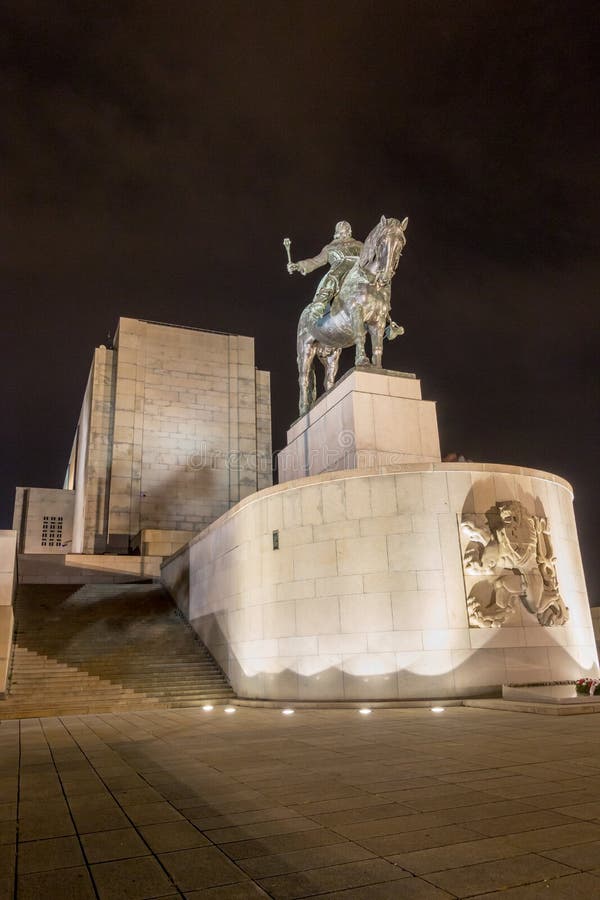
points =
(40, 516)
(8, 558)
(191, 416)
(89, 466)
(365, 596)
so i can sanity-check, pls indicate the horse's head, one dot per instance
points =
(382, 249)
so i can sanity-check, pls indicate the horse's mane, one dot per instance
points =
(369, 250)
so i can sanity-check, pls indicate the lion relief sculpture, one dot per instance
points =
(509, 558)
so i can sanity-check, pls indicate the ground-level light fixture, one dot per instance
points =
(365, 711)
(437, 709)
(207, 707)
(287, 712)
(229, 709)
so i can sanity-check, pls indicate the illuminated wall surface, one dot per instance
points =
(365, 597)
(174, 429)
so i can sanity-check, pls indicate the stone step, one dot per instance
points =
(150, 675)
(110, 662)
(146, 652)
(48, 648)
(149, 690)
(95, 649)
(139, 687)
(121, 677)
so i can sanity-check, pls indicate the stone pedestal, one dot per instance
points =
(369, 418)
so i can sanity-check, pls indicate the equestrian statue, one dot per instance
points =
(352, 298)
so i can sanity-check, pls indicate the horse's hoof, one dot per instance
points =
(363, 361)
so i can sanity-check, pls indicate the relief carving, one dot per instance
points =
(509, 558)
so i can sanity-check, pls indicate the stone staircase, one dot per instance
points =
(104, 648)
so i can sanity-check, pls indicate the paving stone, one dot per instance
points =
(84, 787)
(453, 856)
(559, 836)
(583, 855)
(118, 843)
(569, 887)
(491, 810)
(362, 814)
(121, 781)
(245, 890)
(497, 875)
(7, 870)
(99, 818)
(407, 889)
(8, 812)
(260, 829)
(405, 842)
(44, 820)
(137, 796)
(248, 817)
(131, 879)
(8, 833)
(166, 836)
(330, 878)
(583, 810)
(451, 835)
(358, 801)
(554, 800)
(68, 884)
(298, 860)
(202, 867)
(276, 843)
(43, 856)
(40, 789)
(8, 787)
(405, 823)
(382, 788)
(519, 823)
(153, 813)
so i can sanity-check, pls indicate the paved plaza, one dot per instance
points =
(401, 803)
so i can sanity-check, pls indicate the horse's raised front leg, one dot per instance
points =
(359, 334)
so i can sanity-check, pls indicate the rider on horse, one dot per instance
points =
(341, 254)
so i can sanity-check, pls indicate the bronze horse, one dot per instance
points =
(363, 304)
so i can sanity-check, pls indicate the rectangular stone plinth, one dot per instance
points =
(370, 417)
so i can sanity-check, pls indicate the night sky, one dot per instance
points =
(155, 154)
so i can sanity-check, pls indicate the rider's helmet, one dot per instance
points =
(342, 230)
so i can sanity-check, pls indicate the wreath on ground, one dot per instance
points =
(587, 686)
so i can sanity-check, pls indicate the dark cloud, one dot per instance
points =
(154, 155)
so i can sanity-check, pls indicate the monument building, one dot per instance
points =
(373, 570)
(174, 429)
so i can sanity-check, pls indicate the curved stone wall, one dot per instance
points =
(365, 596)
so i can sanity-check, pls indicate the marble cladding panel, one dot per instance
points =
(346, 610)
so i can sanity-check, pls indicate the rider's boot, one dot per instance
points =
(320, 305)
